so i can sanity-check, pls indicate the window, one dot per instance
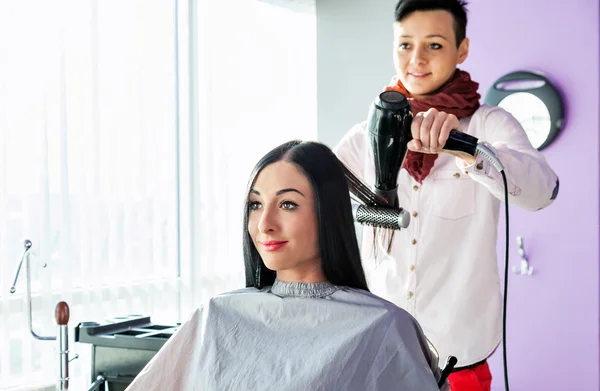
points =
(88, 169)
(128, 130)
(256, 78)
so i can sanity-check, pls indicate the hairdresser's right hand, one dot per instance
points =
(430, 130)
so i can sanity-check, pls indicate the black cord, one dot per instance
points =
(505, 284)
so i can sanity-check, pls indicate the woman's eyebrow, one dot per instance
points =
(437, 36)
(280, 192)
(286, 190)
(429, 36)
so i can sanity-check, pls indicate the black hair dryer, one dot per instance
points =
(388, 124)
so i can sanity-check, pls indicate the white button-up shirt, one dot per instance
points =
(443, 269)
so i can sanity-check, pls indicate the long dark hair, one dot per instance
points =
(340, 254)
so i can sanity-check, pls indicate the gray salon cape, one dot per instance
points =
(293, 336)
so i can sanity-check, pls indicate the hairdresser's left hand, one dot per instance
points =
(430, 131)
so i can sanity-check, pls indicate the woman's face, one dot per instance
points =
(283, 224)
(425, 51)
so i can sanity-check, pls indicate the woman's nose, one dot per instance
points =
(267, 222)
(418, 57)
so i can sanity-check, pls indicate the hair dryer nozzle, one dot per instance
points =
(391, 195)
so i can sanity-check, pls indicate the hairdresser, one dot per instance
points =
(443, 268)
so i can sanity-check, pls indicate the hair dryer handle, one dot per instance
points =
(462, 142)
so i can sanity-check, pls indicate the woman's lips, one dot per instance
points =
(273, 245)
(419, 75)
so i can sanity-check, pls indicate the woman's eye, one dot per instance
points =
(254, 205)
(289, 205)
(403, 46)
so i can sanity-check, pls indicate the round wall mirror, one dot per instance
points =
(533, 101)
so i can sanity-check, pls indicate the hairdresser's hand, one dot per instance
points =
(430, 131)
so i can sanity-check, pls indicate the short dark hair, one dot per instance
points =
(338, 244)
(458, 9)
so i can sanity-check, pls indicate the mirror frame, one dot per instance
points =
(537, 85)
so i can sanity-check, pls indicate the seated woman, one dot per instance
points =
(306, 319)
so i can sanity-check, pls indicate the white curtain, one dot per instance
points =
(256, 77)
(88, 169)
(128, 129)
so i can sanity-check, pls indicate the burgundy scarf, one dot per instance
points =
(459, 97)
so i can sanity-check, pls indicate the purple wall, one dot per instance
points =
(553, 331)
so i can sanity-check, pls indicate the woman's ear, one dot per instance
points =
(463, 50)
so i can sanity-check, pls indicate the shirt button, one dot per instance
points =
(412, 268)
(414, 241)
(415, 187)
(410, 294)
(457, 175)
(415, 214)
(479, 165)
